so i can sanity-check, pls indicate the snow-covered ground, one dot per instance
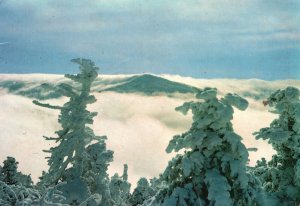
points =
(138, 126)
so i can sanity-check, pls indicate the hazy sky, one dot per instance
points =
(206, 39)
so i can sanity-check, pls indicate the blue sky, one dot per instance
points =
(205, 39)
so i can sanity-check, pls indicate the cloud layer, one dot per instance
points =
(138, 127)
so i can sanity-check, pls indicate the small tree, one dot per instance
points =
(212, 169)
(142, 192)
(9, 171)
(120, 188)
(77, 145)
(281, 175)
(24, 180)
(126, 185)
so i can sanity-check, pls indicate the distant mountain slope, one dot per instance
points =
(150, 84)
(42, 86)
(41, 91)
(147, 84)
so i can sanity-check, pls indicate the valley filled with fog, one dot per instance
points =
(136, 113)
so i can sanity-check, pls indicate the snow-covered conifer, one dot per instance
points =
(142, 192)
(24, 180)
(95, 170)
(120, 188)
(78, 148)
(18, 195)
(9, 171)
(212, 168)
(9, 174)
(281, 175)
(7, 195)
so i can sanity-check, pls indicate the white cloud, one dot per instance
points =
(138, 127)
(249, 121)
(132, 123)
(22, 127)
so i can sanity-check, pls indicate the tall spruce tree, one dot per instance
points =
(212, 169)
(78, 149)
(281, 175)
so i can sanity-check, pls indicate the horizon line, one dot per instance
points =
(160, 75)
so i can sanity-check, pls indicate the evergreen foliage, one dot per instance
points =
(120, 188)
(281, 175)
(24, 180)
(1, 174)
(9, 171)
(95, 170)
(142, 192)
(80, 157)
(21, 196)
(156, 183)
(212, 170)
(9, 174)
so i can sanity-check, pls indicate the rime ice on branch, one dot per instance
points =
(120, 188)
(80, 157)
(281, 175)
(212, 169)
(142, 192)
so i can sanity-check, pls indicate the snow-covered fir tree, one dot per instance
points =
(281, 175)
(80, 158)
(212, 168)
(142, 192)
(10, 175)
(120, 188)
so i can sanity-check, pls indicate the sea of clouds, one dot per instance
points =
(138, 127)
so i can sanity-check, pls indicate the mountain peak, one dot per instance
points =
(150, 84)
